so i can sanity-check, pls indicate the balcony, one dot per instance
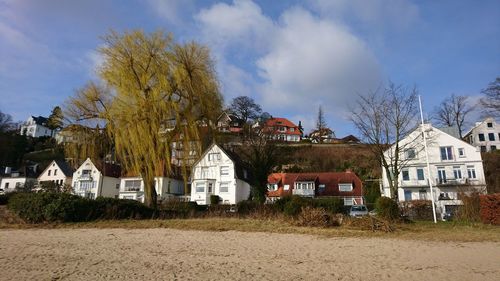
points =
(303, 192)
(130, 189)
(452, 181)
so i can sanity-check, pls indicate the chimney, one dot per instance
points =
(348, 171)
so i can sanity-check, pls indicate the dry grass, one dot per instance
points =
(443, 231)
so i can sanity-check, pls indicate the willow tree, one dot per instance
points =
(160, 92)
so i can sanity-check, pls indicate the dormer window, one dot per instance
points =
(345, 187)
(272, 187)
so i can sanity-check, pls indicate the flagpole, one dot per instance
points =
(427, 159)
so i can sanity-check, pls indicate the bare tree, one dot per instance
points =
(491, 101)
(453, 111)
(384, 118)
(6, 123)
(245, 108)
(321, 127)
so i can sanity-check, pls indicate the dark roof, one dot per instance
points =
(239, 164)
(40, 120)
(65, 167)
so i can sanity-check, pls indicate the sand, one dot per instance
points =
(166, 254)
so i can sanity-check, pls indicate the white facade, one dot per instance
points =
(56, 174)
(455, 166)
(133, 188)
(485, 135)
(216, 174)
(34, 127)
(89, 182)
(9, 184)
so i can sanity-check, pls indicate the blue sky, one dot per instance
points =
(290, 56)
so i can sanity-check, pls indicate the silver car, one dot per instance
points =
(358, 211)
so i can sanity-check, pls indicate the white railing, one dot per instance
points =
(303, 192)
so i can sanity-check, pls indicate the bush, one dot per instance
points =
(63, 207)
(246, 207)
(417, 209)
(490, 208)
(4, 199)
(214, 199)
(295, 205)
(179, 209)
(387, 208)
(470, 209)
(331, 205)
(316, 217)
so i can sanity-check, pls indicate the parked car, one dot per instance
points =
(358, 211)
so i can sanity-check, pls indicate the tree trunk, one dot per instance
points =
(150, 196)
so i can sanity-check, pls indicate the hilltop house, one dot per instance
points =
(455, 166)
(133, 188)
(92, 181)
(229, 123)
(35, 127)
(324, 135)
(219, 172)
(59, 172)
(281, 129)
(485, 135)
(344, 185)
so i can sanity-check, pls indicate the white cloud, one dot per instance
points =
(171, 10)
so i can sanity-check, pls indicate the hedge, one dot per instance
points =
(490, 208)
(387, 208)
(64, 207)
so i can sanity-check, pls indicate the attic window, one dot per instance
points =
(346, 187)
(213, 156)
(490, 125)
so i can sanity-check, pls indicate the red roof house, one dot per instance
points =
(345, 185)
(281, 129)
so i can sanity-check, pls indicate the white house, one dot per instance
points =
(35, 127)
(133, 188)
(455, 166)
(59, 172)
(91, 181)
(12, 180)
(485, 135)
(219, 172)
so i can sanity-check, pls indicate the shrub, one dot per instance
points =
(331, 205)
(316, 217)
(246, 207)
(4, 199)
(179, 209)
(417, 209)
(294, 205)
(469, 211)
(214, 199)
(490, 208)
(387, 208)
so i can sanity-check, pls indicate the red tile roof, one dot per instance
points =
(331, 181)
(272, 126)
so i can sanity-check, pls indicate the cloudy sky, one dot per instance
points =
(290, 56)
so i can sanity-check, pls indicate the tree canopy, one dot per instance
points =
(245, 108)
(491, 101)
(56, 119)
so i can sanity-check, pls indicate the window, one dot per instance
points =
(406, 175)
(213, 156)
(441, 175)
(348, 202)
(86, 185)
(85, 173)
(493, 147)
(224, 170)
(132, 185)
(345, 187)
(117, 186)
(49, 172)
(286, 187)
(224, 187)
(407, 195)
(200, 187)
(272, 187)
(461, 152)
(204, 172)
(457, 172)
(210, 187)
(481, 137)
(483, 148)
(446, 153)
(6, 185)
(282, 129)
(321, 187)
(471, 172)
(491, 136)
(292, 129)
(410, 153)
(55, 172)
(422, 195)
(489, 124)
(420, 174)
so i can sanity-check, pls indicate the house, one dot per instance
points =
(25, 177)
(229, 123)
(59, 172)
(485, 135)
(219, 172)
(133, 188)
(324, 135)
(36, 127)
(281, 129)
(455, 166)
(92, 181)
(344, 185)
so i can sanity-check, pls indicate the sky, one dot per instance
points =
(290, 56)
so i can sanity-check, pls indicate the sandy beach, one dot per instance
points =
(167, 254)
